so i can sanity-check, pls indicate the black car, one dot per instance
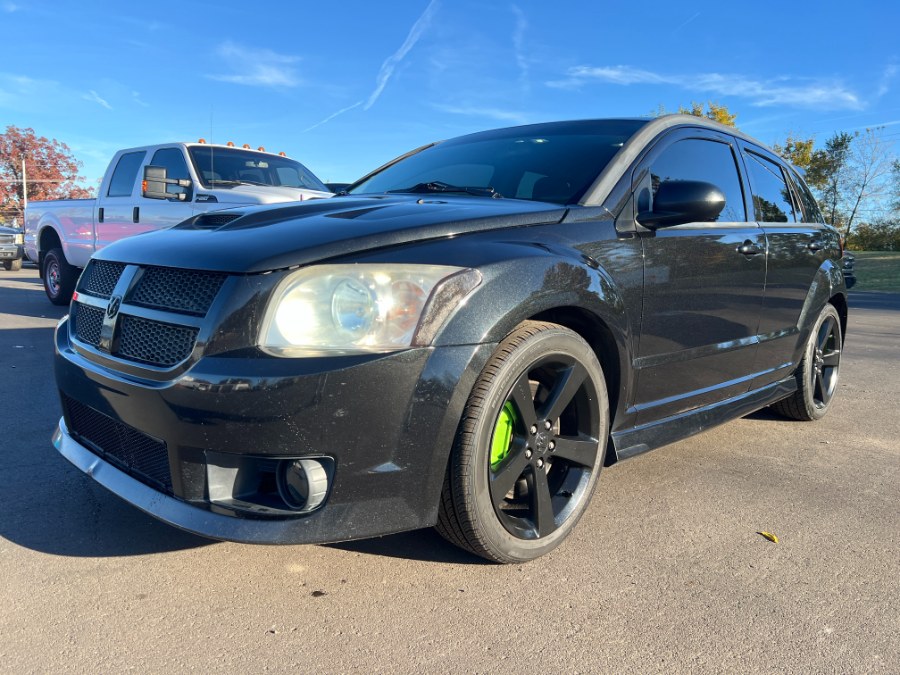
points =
(12, 250)
(462, 340)
(848, 266)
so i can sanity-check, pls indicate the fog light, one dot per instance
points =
(302, 483)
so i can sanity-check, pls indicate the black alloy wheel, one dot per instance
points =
(817, 375)
(530, 446)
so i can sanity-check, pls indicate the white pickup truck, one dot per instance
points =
(153, 187)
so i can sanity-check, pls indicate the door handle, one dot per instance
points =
(816, 245)
(100, 215)
(136, 214)
(749, 248)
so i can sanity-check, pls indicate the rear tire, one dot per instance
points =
(529, 448)
(817, 374)
(59, 277)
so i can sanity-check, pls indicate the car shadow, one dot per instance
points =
(874, 300)
(425, 545)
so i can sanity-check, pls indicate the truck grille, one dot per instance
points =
(177, 290)
(153, 342)
(100, 278)
(88, 322)
(140, 455)
(162, 341)
(7, 238)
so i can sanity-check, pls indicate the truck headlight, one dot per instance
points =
(19, 239)
(361, 308)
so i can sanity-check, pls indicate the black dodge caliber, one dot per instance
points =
(461, 339)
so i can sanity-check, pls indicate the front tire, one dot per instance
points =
(817, 374)
(13, 265)
(529, 448)
(59, 277)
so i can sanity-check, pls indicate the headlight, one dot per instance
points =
(351, 309)
(19, 239)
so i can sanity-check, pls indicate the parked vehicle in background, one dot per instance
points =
(11, 249)
(848, 265)
(463, 340)
(153, 187)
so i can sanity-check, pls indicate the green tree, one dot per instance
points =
(51, 171)
(712, 110)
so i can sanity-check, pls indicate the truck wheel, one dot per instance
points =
(529, 448)
(59, 277)
(13, 265)
(817, 374)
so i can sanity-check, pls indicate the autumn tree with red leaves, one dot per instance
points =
(51, 171)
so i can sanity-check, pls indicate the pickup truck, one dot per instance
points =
(155, 187)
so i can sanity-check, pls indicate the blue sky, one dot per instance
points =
(346, 86)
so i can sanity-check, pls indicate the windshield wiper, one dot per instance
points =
(440, 186)
(222, 181)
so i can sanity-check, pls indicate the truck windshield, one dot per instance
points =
(554, 162)
(221, 167)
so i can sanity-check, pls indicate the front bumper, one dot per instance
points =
(387, 421)
(11, 251)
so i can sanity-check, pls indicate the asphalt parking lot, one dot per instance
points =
(666, 571)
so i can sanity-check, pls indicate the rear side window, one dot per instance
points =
(811, 212)
(122, 182)
(771, 194)
(173, 160)
(707, 161)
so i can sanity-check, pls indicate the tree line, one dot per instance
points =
(854, 176)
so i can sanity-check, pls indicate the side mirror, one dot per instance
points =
(155, 185)
(683, 201)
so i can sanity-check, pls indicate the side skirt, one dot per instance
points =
(631, 442)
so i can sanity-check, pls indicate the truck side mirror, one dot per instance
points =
(155, 185)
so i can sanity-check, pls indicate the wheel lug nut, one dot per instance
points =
(540, 463)
(533, 429)
(552, 445)
(547, 425)
(527, 453)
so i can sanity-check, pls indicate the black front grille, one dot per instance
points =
(139, 454)
(160, 344)
(177, 290)
(88, 322)
(100, 278)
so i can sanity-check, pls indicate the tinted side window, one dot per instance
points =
(701, 160)
(771, 195)
(173, 160)
(122, 182)
(811, 211)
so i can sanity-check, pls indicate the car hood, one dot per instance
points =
(262, 238)
(263, 194)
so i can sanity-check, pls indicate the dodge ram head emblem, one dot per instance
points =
(113, 307)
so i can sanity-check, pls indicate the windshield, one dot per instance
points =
(554, 162)
(221, 167)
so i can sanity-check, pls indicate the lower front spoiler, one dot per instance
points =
(201, 521)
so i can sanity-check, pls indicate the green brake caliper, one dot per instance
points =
(503, 432)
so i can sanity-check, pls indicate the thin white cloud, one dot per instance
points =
(391, 63)
(819, 94)
(136, 97)
(257, 67)
(95, 97)
(685, 23)
(333, 115)
(489, 113)
(887, 77)
(519, 46)
(10, 7)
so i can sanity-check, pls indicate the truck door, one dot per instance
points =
(703, 283)
(155, 214)
(115, 209)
